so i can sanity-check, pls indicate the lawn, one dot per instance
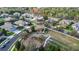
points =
(69, 29)
(6, 32)
(1, 18)
(9, 33)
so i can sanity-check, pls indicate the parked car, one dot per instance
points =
(2, 46)
(61, 31)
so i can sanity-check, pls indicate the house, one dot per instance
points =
(39, 28)
(76, 26)
(24, 15)
(34, 19)
(54, 19)
(10, 16)
(27, 19)
(4, 15)
(28, 28)
(20, 23)
(40, 20)
(64, 23)
(9, 19)
(32, 15)
(51, 20)
(16, 14)
(27, 15)
(36, 10)
(8, 26)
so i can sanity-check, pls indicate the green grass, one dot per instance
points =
(9, 33)
(1, 21)
(69, 28)
(13, 48)
(1, 18)
(34, 23)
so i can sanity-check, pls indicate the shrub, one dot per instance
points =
(17, 45)
(1, 22)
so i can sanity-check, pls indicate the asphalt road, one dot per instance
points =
(12, 40)
(7, 46)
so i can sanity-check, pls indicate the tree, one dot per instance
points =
(17, 45)
(52, 47)
(33, 28)
(27, 31)
(1, 22)
(30, 23)
(41, 48)
(46, 30)
(73, 33)
(45, 17)
(4, 31)
(22, 48)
